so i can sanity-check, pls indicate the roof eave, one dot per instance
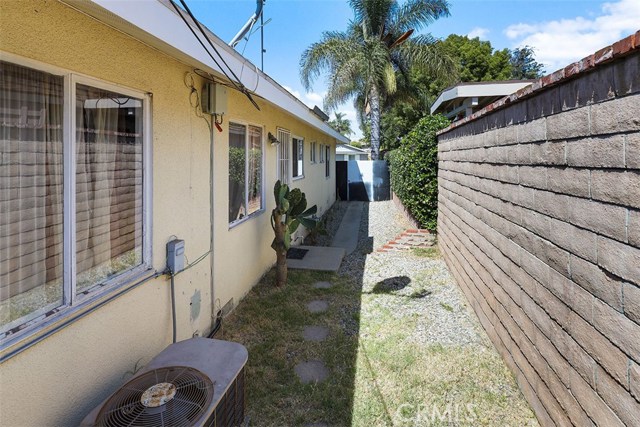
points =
(156, 24)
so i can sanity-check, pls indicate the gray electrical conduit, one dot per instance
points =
(245, 29)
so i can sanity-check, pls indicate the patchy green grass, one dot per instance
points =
(446, 306)
(432, 252)
(378, 376)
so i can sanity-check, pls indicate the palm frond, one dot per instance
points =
(416, 14)
(425, 53)
(390, 83)
(324, 55)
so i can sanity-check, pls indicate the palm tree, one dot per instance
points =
(341, 124)
(362, 62)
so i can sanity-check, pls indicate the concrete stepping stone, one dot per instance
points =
(312, 371)
(315, 333)
(318, 306)
(322, 285)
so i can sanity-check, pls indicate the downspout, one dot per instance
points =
(250, 23)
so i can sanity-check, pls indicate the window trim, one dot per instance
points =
(263, 208)
(312, 152)
(75, 306)
(327, 167)
(301, 140)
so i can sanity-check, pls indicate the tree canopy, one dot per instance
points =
(475, 60)
(341, 124)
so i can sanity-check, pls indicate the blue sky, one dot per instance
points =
(560, 31)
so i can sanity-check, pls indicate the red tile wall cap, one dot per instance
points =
(618, 49)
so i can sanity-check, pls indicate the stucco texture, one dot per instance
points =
(60, 379)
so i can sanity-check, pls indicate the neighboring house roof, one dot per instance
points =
(465, 98)
(156, 24)
(349, 149)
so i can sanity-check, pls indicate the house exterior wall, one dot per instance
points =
(539, 221)
(92, 356)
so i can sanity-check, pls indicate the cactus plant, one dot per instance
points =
(286, 217)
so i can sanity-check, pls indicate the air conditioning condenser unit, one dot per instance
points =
(196, 382)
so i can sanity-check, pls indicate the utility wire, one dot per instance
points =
(239, 86)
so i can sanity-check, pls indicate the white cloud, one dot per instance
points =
(310, 99)
(561, 42)
(314, 97)
(478, 32)
(293, 92)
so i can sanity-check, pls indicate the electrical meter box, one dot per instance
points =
(175, 256)
(214, 99)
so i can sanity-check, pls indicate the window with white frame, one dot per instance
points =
(321, 153)
(297, 149)
(245, 170)
(327, 165)
(73, 186)
(312, 152)
(284, 156)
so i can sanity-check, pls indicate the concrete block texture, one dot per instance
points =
(539, 223)
(615, 116)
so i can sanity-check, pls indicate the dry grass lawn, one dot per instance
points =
(378, 376)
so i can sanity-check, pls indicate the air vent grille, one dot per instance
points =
(231, 408)
(184, 406)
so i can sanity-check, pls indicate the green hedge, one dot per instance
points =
(414, 170)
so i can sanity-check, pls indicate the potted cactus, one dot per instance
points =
(290, 211)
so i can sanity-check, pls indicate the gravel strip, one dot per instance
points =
(406, 285)
(332, 219)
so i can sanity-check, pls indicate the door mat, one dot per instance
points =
(295, 253)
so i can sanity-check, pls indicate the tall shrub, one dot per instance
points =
(414, 170)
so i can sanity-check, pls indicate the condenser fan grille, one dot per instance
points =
(183, 406)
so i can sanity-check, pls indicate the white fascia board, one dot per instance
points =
(155, 22)
(445, 96)
(348, 149)
(491, 89)
(478, 90)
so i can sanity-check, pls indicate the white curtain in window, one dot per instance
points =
(108, 184)
(31, 193)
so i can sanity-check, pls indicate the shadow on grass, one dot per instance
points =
(270, 321)
(391, 285)
(378, 365)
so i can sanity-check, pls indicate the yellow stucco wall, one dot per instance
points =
(58, 380)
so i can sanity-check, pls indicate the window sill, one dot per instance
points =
(297, 178)
(46, 326)
(237, 222)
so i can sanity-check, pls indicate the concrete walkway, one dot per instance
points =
(319, 258)
(347, 235)
(329, 258)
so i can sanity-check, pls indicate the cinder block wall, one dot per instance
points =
(539, 222)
